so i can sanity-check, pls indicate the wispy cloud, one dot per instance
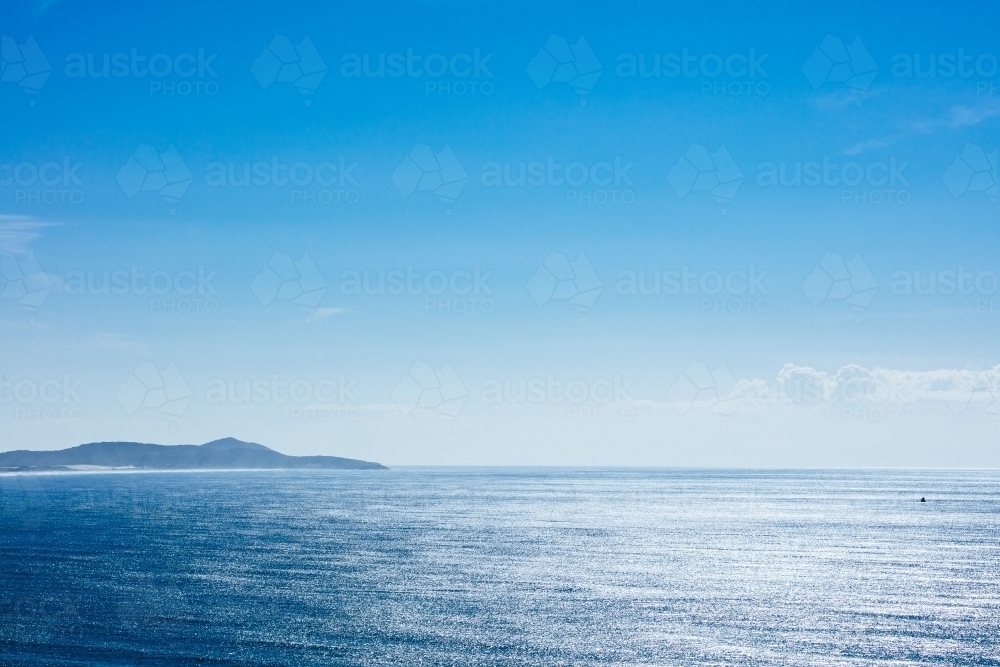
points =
(17, 232)
(323, 314)
(867, 145)
(844, 98)
(957, 116)
(115, 341)
(968, 116)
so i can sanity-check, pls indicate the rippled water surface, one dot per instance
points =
(500, 567)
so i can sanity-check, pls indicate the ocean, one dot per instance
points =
(492, 566)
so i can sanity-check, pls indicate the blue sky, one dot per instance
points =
(907, 373)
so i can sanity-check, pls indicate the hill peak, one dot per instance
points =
(233, 443)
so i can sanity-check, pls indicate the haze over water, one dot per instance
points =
(501, 567)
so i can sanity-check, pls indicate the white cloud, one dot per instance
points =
(804, 387)
(852, 384)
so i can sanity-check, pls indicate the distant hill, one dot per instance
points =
(224, 454)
